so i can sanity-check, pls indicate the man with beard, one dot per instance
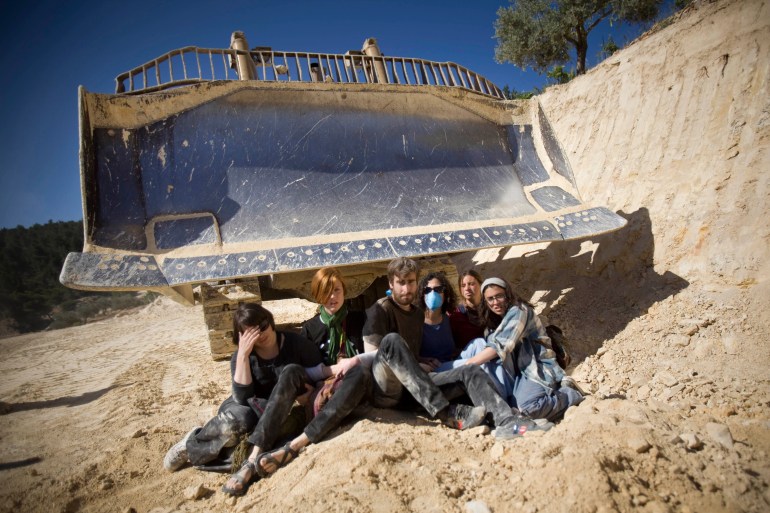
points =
(392, 338)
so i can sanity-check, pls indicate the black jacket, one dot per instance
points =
(316, 331)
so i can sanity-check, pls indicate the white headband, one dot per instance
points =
(492, 281)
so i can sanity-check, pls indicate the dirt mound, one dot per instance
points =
(668, 320)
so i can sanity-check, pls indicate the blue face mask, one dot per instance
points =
(433, 300)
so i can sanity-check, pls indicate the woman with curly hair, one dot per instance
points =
(437, 299)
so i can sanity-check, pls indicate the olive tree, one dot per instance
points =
(539, 33)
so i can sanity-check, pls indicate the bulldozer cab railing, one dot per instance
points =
(191, 65)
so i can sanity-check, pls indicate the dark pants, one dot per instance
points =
(356, 384)
(291, 383)
(478, 386)
(235, 419)
(395, 368)
(222, 431)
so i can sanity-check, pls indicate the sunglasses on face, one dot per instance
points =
(437, 288)
(499, 298)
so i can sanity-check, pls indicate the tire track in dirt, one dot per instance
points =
(103, 383)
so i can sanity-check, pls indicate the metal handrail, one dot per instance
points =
(191, 65)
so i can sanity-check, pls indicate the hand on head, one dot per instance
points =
(248, 339)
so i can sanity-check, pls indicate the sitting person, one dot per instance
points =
(268, 364)
(523, 363)
(465, 319)
(392, 339)
(437, 298)
(350, 382)
(335, 331)
(265, 359)
(467, 323)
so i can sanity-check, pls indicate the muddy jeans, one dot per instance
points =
(493, 368)
(291, 383)
(356, 384)
(395, 368)
(222, 431)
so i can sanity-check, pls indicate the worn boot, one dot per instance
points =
(518, 425)
(176, 457)
(462, 416)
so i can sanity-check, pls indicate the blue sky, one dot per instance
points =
(51, 47)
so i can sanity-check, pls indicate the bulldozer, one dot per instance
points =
(216, 176)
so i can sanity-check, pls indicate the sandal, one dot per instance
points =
(242, 479)
(289, 455)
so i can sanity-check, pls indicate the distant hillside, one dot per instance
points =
(31, 297)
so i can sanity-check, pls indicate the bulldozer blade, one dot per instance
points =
(226, 180)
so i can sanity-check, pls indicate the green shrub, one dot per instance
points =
(98, 307)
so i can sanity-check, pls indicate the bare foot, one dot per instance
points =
(239, 481)
(269, 462)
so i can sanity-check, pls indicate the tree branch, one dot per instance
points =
(606, 13)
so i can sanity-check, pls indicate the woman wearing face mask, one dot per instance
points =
(532, 377)
(437, 299)
(469, 331)
(465, 319)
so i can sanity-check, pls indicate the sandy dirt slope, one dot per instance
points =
(668, 318)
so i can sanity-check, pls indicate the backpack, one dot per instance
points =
(559, 344)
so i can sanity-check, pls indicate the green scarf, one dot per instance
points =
(337, 337)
